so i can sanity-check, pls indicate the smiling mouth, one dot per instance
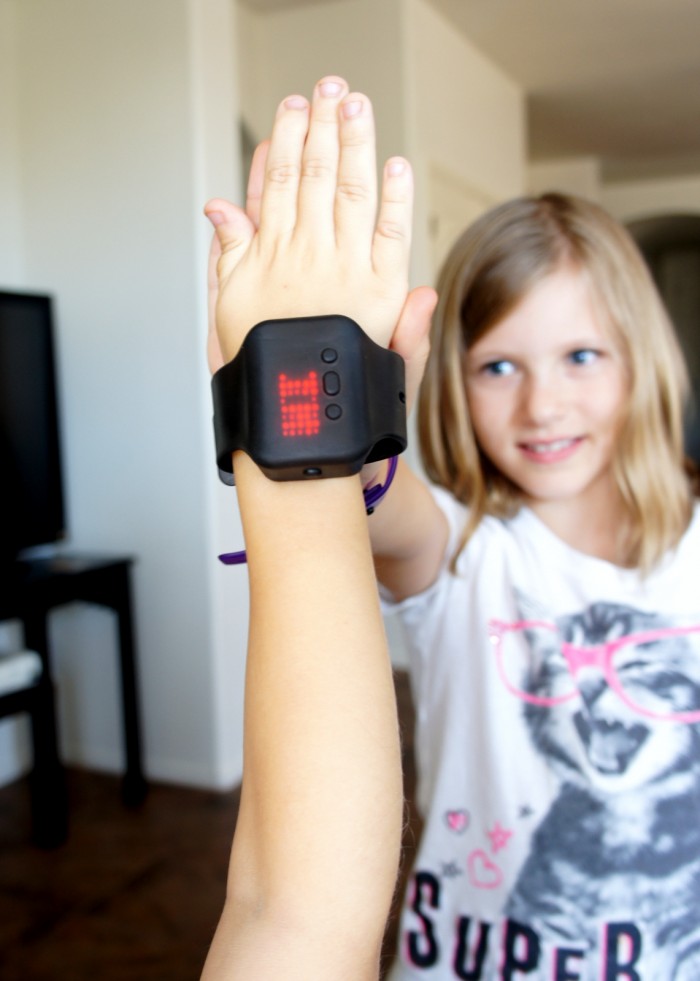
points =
(551, 450)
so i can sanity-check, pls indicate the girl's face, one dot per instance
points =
(547, 392)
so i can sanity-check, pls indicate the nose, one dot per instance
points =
(542, 399)
(591, 685)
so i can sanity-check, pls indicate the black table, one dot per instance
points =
(30, 589)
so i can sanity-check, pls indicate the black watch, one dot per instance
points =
(309, 397)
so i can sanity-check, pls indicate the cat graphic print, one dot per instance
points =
(612, 701)
(610, 884)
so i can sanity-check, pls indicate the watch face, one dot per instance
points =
(299, 405)
(318, 385)
(307, 392)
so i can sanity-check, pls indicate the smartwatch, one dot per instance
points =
(309, 397)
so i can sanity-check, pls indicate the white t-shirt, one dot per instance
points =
(558, 755)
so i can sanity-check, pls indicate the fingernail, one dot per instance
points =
(330, 89)
(396, 167)
(295, 102)
(351, 109)
(216, 218)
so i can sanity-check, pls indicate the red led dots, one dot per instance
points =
(299, 406)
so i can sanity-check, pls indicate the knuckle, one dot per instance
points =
(223, 268)
(393, 230)
(355, 139)
(352, 190)
(284, 172)
(316, 169)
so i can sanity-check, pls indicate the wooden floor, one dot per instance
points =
(132, 894)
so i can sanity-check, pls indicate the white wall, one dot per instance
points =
(575, 175)
(216, 37)
(630, 200)
(11, 237)
(626, 200)
(126, 123)
(289, 50)
(465, 125)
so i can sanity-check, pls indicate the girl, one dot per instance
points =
(548, 584)
(316, 847)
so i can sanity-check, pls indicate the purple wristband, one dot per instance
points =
(372, 495)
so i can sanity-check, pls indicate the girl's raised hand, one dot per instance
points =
(313, 239)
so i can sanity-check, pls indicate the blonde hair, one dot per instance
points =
(489, 270)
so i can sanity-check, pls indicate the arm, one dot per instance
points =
(316, 848)
(408, 531)
(409, 536)
(315, 852)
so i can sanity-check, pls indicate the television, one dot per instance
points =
(31, 484)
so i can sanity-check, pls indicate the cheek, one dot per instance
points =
(488, 417)
(610, 401)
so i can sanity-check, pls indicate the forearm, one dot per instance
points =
(321, 737)
(408, 535)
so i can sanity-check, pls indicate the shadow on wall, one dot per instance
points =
(671, 246)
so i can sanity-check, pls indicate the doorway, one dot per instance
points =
(670, 245)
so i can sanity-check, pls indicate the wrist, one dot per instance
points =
(254, 477)
(372, 474)
(281, 517)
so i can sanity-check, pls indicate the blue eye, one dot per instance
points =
(499, 368)
(584, 355)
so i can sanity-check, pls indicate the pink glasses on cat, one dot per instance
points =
(643, 671)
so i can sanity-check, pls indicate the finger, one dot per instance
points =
(411, 339)
(256, 179)
(320, 160)
(223, 215)
(215, 358)
(278, 206)
(218, 211)
(413, 326)
(356, 191)
(392, 236)
(234, 231)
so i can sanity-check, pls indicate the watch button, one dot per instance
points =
(329, 355)
(331, 383)
(334, 411)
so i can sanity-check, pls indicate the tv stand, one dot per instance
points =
(31, 588)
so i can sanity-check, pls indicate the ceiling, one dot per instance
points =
(617, 79)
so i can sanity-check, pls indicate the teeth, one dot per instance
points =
(560, 444)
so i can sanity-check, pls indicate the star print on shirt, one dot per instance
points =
(450, 870)
(499, 837)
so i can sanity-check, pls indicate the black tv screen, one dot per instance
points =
(31, 486)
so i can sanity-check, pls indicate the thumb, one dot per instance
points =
(411, 337)
(233, 229)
